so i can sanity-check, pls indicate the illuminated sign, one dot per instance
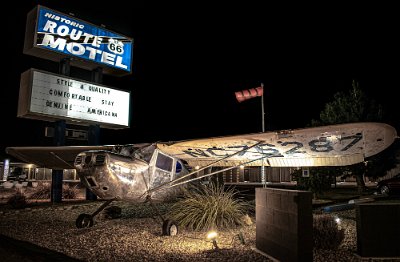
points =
(51, 97)
(62, 36)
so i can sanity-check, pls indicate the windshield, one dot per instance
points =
(143, 152)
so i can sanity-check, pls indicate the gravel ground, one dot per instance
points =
(137, 237)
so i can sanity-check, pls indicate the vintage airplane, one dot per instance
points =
(147, 172)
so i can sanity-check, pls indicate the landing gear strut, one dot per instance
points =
(169, 227)
(86, 220)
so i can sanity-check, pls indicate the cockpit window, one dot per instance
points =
(125, 150)
(145, 153)
(164, 162)
(140, 152)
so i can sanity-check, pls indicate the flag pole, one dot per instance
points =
(262, 108)
(263, 180)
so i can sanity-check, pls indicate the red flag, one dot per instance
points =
(249, 93)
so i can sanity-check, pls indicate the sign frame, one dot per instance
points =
(31, 46)
(25, 97)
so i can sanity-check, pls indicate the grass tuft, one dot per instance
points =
(209, 207)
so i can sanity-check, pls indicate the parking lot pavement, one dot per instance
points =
(13, 250)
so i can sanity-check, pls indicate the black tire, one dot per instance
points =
(169, 228)
(84, 220)
(384, 190)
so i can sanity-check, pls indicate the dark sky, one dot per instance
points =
(189, 59)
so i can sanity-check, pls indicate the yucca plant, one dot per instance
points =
(208, 207)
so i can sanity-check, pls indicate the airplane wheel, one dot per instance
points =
(384, 190)
(84, 220)
(170, 228)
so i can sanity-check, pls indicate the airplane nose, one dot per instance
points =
(112, 176)
(90, 159)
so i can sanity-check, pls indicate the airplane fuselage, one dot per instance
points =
(119, 175)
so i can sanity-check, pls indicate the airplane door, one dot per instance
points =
(163, 169)
(162, 173)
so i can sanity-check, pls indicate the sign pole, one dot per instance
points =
(262, 108)
(94, 130)
(57, 175)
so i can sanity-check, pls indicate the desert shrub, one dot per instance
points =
(326, 232)
(142, 210)
(206, 207)
(112, 212)
(18, 200)
(251, 208)
(42, 191)
(69, 192)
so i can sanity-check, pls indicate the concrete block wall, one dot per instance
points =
(378, 229)
(284, 224)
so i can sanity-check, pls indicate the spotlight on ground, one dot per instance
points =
(212, 235)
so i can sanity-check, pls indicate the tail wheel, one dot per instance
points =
(84, 220)
(169, 228)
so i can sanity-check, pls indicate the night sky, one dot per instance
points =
(189, 59)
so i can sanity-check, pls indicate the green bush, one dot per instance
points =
(326, 232)
(43, 191)
(318, 182)
(18, 200)
(208, 207)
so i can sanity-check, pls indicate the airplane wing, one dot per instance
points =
(333, 145)
(54, 157)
